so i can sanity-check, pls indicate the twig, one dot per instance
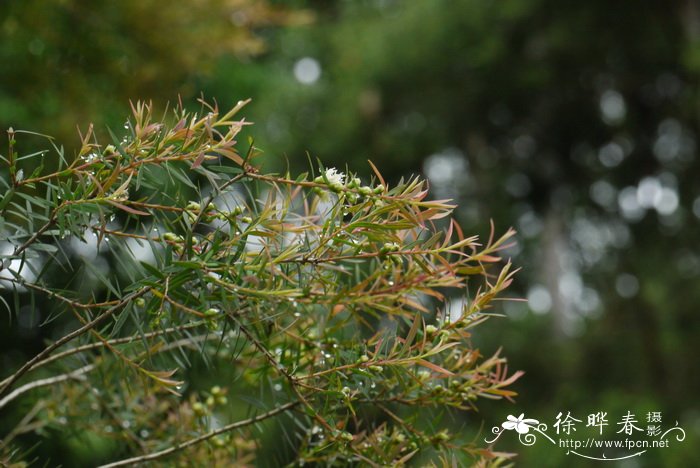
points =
(115, 341)
(39, 232)
(54, 295)
(69, 337)
(44, 382)
(202, 438)
(293, 381)
(25, 425)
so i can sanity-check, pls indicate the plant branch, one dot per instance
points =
(54, 295)
(25, 425)
(115, 341)
(69, 337)
(293, 381)
(203, 437)
(44, 382)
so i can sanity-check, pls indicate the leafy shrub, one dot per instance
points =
(210, 311)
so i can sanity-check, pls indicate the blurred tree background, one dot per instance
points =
(574, 122)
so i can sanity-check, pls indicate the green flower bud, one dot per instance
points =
(390, 247)
(219, 441)
(193, 206)
(354, 182)
(237, 210)
(442, 436)
(172, 237)
(366, 191)
(199, 409)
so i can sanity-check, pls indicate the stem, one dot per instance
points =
(202, 438)
(69, 337)
(44, 382)
(54, 295)
(25, 425)
(11, 156)
(116, 341)
(293, 382)
(36, 235)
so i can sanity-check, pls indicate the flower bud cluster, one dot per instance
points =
(211, 212)
(353, 188)
(215, 397)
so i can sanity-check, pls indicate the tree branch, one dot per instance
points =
(202, 438)
(69, 337)
(115, 341)
(44, 382)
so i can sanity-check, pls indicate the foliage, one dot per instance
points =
(578, 128)
(561, 118)
(310, 300)
(74, 60)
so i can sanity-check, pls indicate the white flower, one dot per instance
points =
(334, 177)
(522, 426)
